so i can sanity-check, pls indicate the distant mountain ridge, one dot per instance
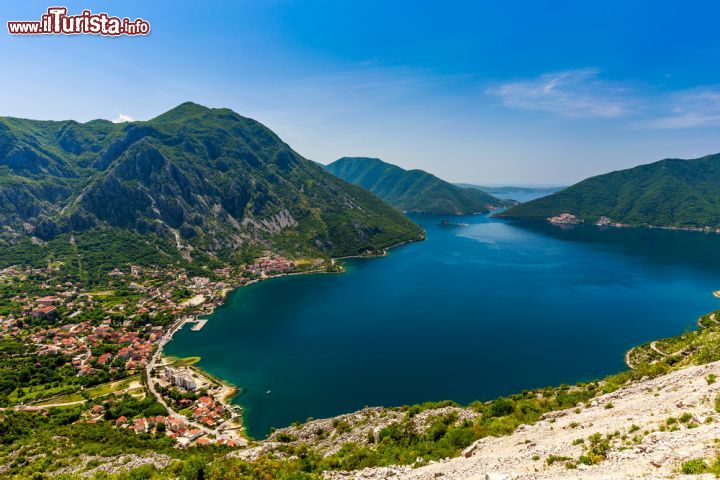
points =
(509, 192)
(192, 182)
(413, 191)
(670, 193)
(509, 189)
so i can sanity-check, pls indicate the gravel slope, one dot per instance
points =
(647, 452)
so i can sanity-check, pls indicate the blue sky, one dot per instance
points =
(543, 92)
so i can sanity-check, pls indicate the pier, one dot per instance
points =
(198, 325)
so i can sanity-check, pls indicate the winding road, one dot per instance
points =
(653, 346)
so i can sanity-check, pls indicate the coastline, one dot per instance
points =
(652, 344)
(385, 250)
(570, 222)
(705, 229)
(232, 391)
(627, 356)
(225, 292)
(655, 227)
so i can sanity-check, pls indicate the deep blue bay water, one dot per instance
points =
(471, 313)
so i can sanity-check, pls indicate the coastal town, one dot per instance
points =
(104, 344)
(568, 219)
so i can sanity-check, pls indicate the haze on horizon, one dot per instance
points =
(479, 92)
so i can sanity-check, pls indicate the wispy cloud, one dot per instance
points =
(571, 93)
(686, 109)
(583, 93)
(122, 118)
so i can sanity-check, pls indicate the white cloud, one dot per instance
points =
(122, 118)
(572, 93)
(687, 109)
(582, 93)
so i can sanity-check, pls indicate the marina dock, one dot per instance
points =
(198, 325)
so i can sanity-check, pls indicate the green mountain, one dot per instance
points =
(413, 190)
(193, 182)
(671, 192)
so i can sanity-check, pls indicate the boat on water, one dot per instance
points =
(448, 223)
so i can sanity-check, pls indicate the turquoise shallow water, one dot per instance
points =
(471, 313)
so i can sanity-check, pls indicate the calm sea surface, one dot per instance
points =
(473, 312)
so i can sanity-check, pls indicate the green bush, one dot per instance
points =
(556, 458)
(284, 437)
(501, 407)
(694, 466)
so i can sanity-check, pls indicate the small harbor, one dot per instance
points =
(199, 324)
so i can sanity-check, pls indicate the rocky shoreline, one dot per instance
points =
(328, 435)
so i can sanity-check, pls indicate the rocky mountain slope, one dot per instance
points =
(328, 435)
(648, 429)
(413, 190)
(671, 192)
(192, 181)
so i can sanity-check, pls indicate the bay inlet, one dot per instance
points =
(471, 313)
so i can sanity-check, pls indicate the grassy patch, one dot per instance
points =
(182, 361)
